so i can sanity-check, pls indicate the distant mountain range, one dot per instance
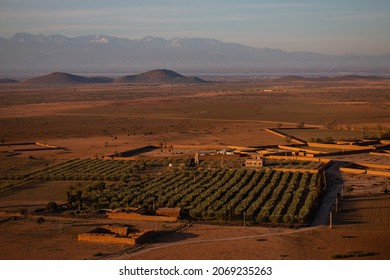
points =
(105, 54)
(159, 76)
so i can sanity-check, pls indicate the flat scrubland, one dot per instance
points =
(95, 121)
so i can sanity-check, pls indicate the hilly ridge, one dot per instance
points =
(8, 81)
(66, 78)
(158, 76)
(165, 76)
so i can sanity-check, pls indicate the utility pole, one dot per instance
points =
(330, 219)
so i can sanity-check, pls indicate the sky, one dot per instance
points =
(325, 26)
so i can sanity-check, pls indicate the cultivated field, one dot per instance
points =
(222, 201)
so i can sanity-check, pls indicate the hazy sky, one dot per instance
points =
(327, 26)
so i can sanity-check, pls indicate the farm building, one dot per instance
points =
(257, 162)
(116, 234)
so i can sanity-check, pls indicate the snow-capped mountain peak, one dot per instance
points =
(99, 40)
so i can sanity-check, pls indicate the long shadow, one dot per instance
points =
(345, 218)
(171, 237)
(349, 211)
(135, 152)
(371, 198)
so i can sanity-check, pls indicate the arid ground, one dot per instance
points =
(100, 120)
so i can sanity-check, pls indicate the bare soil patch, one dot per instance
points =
(25, 239)
(36, 194)
(213, 242)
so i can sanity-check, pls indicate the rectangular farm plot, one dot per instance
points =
(264, 196)
(261, 197)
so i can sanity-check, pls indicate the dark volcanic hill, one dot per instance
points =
(7, 81)
(159, 76)
(66, 78)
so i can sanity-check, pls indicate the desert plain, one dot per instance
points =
(97, 121)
